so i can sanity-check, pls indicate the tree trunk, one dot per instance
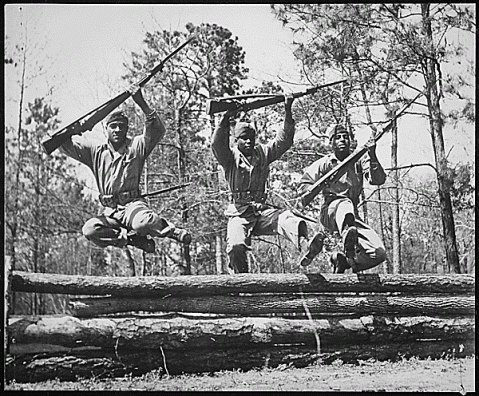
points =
(146, 190)
(71, 365)
(14, 224)
(396, 232)
(203, 285)
(384, 269)
(219, 257)
(131, 261)
(281, 304)
(433, 95)
(181, 162)
(7, 307)
(177, 333)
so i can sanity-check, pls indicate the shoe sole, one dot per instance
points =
(314, 249)
(350, 242)
(305, 261)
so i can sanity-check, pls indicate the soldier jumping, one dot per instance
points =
(246, 168)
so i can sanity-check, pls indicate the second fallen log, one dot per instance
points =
(257, 305)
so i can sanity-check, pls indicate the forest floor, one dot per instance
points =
(412, 375)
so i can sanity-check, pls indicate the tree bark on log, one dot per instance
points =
(256, 304)
(183, 334)
(202, 285)
(98, 363)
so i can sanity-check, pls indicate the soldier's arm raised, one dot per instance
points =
(285, 136)
(220, 143)
(374, 171)
(154, 128)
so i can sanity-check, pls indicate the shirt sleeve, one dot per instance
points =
(373, 172)
(153, 132)
(282, 142)
(80, 149)
(220, 144)
(311, 174)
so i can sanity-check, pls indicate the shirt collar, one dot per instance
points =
(242, 161)
(123, 148)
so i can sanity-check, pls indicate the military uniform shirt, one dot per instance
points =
(245, 175)
(116, 171)
(349, 185)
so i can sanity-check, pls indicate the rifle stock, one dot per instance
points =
(84, 124)
(335, 174)
(214, 106)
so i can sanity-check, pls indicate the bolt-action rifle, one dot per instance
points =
(214, 106)
(335, 174)
(89, 120)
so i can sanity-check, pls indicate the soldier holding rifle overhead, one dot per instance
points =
(246, 167)
(117, 165)
(363, 248)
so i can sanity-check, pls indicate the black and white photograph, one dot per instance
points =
(239, 197)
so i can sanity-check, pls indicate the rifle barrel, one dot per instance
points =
(158, 67)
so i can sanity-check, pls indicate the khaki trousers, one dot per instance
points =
(111, 228)
(371, 251)
(270, 221)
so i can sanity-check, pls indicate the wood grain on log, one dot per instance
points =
(260, 304)
(202, 285)
(180, 333)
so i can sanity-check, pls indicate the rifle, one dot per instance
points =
(96, 115)
(214, 106)
(335, 174)
(165, 190)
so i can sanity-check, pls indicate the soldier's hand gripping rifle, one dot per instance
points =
(89, 120)
(214, 106)
(336, 173)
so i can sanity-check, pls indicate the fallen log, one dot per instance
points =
(259, 304)
(97, 363)
(202, 285)
(35, 368)
(183, 334)
(61, 330)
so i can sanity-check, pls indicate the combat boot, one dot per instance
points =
(142, 242)
(180, 235)
(350, 245)
(314, 248)
(339, 262)
(350, 241)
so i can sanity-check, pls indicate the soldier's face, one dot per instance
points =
(246, 142)
(116, 131)
(341, 142)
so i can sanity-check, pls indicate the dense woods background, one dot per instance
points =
(396, 51)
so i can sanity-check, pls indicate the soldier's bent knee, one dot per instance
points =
(90, 228)
(143, 222)
(380, 255)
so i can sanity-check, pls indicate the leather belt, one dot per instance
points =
(121, 198)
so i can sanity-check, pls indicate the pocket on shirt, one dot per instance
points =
(130, 170)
